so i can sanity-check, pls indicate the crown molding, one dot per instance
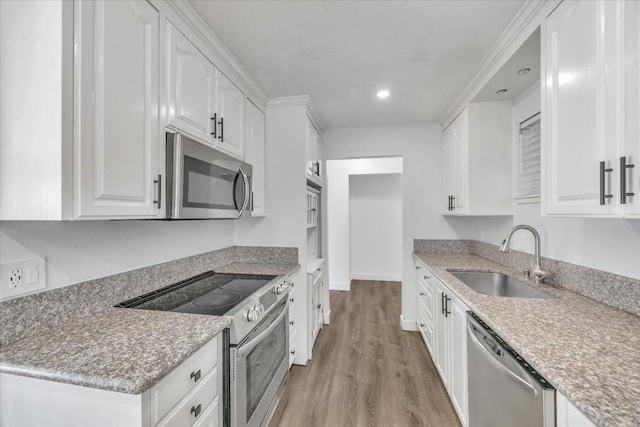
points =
(299, 100)
(530, 16)
(226, 61)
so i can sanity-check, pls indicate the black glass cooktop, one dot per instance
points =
(208, 293)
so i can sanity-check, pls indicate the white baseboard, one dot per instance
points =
(327, 317)
(340, 286)
(376, 277)
(407, 324)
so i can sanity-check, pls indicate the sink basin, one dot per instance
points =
(498, 284)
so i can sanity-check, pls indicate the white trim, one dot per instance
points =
(340, 286)
(408, 324)
(528, 18)
(288, 101)
(299, 100)
(376, 277)
(327, 317)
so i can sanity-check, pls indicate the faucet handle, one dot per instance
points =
(527, 273)
(540, 275)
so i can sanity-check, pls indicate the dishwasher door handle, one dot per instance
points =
(488, 354)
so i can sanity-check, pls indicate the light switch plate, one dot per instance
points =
(22, 277)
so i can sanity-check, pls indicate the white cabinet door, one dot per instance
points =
(460, 163)
(255, 150)
(631, 150)
(230, 112)
(458, 386)
(116, 110)
(319, 306)
(448, 167)
(442, 335)
(568, 415)
(191, 77)
(580, 109)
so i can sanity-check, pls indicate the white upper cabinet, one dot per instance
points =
(192, 95)
(314, 153)
(255, 152)
(230, 114)
(477, 161)
(581, 110)
(631, 152)
(117, 165)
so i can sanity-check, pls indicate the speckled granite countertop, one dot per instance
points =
(256, 268)
(116, 349)
(589, 351)
(120, 349)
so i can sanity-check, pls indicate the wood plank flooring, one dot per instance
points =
(366, 371)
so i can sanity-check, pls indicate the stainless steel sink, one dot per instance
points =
(498, 284)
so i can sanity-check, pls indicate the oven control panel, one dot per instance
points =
(268, 298)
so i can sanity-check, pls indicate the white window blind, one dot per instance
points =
(529, 159)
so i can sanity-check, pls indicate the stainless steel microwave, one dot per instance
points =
(205, 183)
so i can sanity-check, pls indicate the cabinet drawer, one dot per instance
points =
(427, 334)
(179, 382)
(424, 314)
(425, 297)
(198, 400)
(211, 418)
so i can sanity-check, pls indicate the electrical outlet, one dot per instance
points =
(22, 277)
(15, 277)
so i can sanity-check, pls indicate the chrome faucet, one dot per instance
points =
(539, 275)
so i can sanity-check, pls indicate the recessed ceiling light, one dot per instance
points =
(501, 91)
(523, 71)
(383, 94)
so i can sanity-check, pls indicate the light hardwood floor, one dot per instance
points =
(366, 371)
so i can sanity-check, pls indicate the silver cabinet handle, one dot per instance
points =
(603, 195)
(158, 200)
(623, 180)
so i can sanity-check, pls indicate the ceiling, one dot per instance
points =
(527, 56)
(342, 52)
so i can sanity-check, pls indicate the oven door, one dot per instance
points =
(205, 183)
(259, 364)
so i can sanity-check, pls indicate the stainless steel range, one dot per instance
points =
(258, 336)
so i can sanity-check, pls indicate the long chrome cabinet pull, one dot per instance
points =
(603, 170)
(215, 125)
(158, 200)
(623, 179)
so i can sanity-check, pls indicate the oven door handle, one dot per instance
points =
(246, 348)
(245, 202)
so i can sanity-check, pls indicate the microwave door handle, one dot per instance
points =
(245, 202)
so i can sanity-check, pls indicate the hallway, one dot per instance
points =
(366, 371)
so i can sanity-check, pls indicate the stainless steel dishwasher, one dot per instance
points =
(504, 390)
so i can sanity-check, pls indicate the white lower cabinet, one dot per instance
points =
(190, 395)
(568, 415)
(316, 289)
(441, 319)
(292, 322)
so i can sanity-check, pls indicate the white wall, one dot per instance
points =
(85, 250)
(337, 211)
(419, 145)
(375, 208)
(611, 245)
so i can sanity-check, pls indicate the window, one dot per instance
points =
(528, 184)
